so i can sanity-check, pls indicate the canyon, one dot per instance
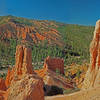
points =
(23, 82)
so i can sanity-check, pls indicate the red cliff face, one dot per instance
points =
(54, 64)
(92, 78)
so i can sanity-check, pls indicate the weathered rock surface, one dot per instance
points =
(23, 60)
(2, 85)
(9, 77)
(3, 95)
(36, 32)
(92, 78)
(23, 64)
(30, 87)
(52, 78)
(54, 64)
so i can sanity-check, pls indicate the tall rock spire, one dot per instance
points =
(21, 81)
(92, 78)
(23, 60)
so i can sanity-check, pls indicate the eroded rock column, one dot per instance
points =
(23, 60)
(22, 82)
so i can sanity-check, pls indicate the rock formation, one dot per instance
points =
(49, 75)
(22, 66)
(54, 64)
(2, 89)
(92, 78)
(23, 61)
(2, 85)
(22, 82)
(3, 95)
(32, 31)
(30, 87)
(9, 77)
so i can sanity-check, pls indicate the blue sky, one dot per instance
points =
(85, 12)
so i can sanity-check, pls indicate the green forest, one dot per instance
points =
(76, 40)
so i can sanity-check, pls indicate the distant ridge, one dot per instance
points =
(30, 30)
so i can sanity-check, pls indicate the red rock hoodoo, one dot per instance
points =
(23, 60)
(22, 82)
(54, 64)
(49, 75)
(22, 66)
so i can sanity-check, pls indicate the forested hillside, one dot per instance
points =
(46, 38)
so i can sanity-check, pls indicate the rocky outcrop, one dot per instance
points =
(30, 87)
(9, 77)
(23, 61)
(49, 75)
(92, 78)
(54, 64)
(22, 66)
(31, 31)
(22, 82)
(52, 78)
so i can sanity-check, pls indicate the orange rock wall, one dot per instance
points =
(54, 64)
